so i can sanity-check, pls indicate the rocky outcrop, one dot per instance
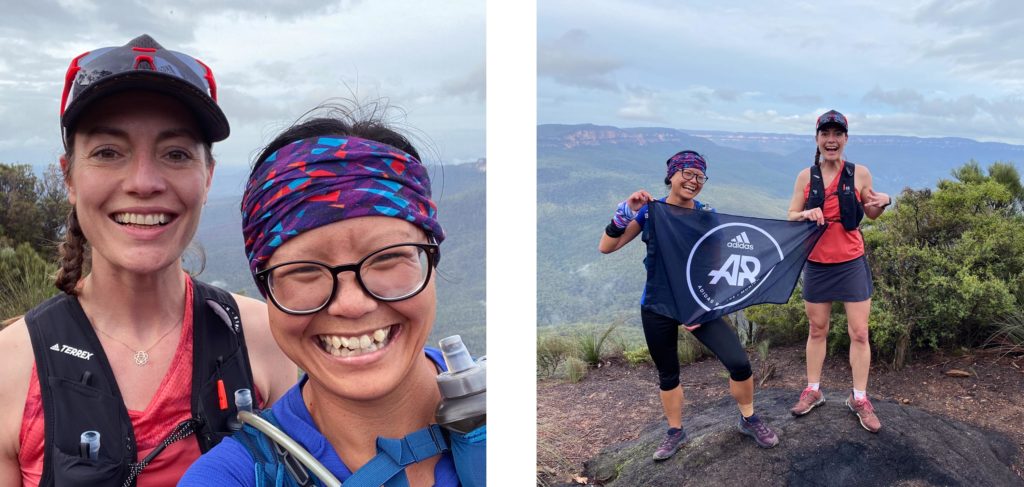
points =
(827, 447)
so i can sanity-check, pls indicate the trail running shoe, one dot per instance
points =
(865, 412)
(809, 399)
(757, 429)
(670, 445)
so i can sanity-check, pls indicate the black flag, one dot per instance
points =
(703, 265)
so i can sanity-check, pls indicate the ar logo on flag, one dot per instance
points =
(724, 266)
(737, 270)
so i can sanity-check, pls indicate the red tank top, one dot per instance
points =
(836, 244)
(170, 405)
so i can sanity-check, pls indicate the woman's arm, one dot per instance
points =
(16, 348)
(611, 244)
(874, 203)
(272, 371)
(635, 202)
(796, 203)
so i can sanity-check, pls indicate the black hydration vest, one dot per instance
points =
(79, 392)
(851, 211)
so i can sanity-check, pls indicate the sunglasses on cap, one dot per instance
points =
(143, 64)
(93, 66)
(833, 117)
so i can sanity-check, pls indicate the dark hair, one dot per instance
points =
(73, 252)
(346, 124)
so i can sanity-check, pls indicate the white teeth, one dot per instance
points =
(149, 219)
(347, 346)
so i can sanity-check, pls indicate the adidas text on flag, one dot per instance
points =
(740, 242)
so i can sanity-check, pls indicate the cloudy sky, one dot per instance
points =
(273, 60)
(921, 68)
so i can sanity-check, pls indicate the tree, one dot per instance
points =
(947, 264)
(19, 215)
(32, 210)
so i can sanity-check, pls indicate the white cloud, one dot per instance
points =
(273, 60)
(568, 61)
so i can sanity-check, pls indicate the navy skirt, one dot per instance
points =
(849, 282)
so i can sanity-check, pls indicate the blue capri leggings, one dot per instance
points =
(662, 334)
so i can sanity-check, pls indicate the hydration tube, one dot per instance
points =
(296, 450)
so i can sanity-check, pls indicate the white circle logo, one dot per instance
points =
(730, 260)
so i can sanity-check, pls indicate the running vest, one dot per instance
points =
(275, 467)
(79, 392)
(851, 212)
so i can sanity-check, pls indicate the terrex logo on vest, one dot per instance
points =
(72, 351)
(725, 266)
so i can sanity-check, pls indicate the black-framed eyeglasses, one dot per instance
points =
(688, 175)
(389, 274)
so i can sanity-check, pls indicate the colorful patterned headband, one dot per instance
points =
(317, 181)
(683, 160)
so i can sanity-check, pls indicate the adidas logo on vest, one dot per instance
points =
(740, 242)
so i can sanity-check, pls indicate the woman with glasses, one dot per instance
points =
(685, 178)
(342, 238)
(838, 192)
(122, 376)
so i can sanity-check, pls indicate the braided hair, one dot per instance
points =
(71, 257)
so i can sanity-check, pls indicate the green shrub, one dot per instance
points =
(637, 356)
(551, 352)
(1009, 336)
(782, 324)
(590, 345)
(25, 280)
(575, 369)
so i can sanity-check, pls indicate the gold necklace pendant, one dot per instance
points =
(141, 358)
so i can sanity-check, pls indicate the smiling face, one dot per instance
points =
(682, 189)
(357, 347)
(831, 140)
(138, 179)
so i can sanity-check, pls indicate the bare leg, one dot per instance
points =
(818, 315)
(672, 404)
(860, 348)
(743, 393)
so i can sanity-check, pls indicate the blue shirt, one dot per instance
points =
(229, 463)
(641, 219)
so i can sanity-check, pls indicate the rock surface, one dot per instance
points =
(827, 447)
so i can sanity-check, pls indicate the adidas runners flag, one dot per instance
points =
(703, 265)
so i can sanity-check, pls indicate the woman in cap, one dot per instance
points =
(685, 177)
(342, 238)
(837, 192)
(104, 379)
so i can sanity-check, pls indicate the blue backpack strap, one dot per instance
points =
(393, 455)
(274, 466)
